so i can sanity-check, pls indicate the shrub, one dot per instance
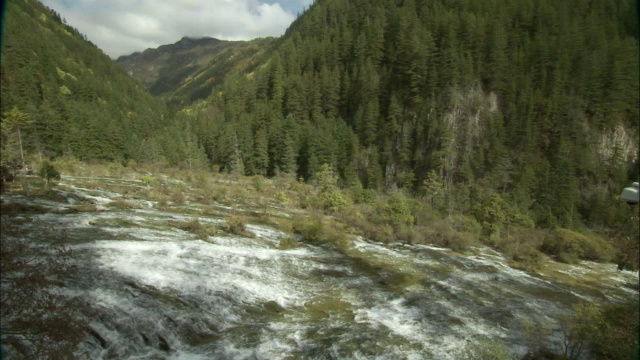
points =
(48, 172)
(410, 234)
(329, 196)
(397, 211)
(459, 241)
(146, 179)
(597, 249)
(359, 195)
(311, 229)
(569, 246)
(317, 231)
(259, 184)
(383, 233)
(178, 197)
(281, 196)
(237, 225)
(194, 226)
(466, 224)
(528, 258)
(124, 204)
(281, 223)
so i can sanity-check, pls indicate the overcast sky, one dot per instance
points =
(121, 27)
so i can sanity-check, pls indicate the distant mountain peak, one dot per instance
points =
(167, 68)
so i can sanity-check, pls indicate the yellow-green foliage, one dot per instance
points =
(329, 196)
(317, 230)
(282, 197)
(359, 195)
(569, 245)
(146, 179)
(237, 225)
(397, 210)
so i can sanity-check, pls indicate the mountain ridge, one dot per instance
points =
(171, 70)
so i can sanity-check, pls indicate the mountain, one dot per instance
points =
(62, 96)
(187, 70)
(536, 106)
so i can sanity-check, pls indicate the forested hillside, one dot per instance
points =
(530, 105)
(62, 96)
(188, 70)
(527, 108)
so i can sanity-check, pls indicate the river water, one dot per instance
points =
(159, 292)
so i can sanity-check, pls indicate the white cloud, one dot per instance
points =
(120, 27)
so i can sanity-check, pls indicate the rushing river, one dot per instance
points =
(161, 293)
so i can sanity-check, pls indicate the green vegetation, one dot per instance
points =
(48, 172)
(453, 123)
(604, 332)
(61, 96)
(487, 350)
(188, 70)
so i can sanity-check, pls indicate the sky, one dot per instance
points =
(121, 27)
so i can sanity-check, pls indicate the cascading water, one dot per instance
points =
(158, 292)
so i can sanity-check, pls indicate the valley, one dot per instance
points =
(388, 179)
(158, 287)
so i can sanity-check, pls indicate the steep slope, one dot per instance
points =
(73, 100)
(188, 70)
(535, 104)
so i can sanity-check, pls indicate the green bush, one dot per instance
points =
(569, 246)
(397, 211)
(598, 249)
(237, 225)
(459, 241)
(316, 230)
(528, 258)
(311, 229)
(282, 197)
(48, 172)
(466, 224)
(146, 179)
